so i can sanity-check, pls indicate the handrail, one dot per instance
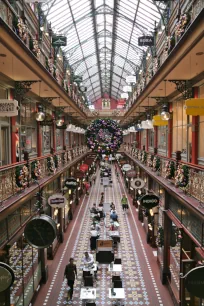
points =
(2, 168)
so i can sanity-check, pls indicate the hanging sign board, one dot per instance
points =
(71, 183)
(57, 201)
(194, 107)
(194, 282)
(131, 173)
(8, 108)
(146, 41)
(137, 183)
(131, 79)
(6, 276)
(126, 167)
(59, 41)
(157, 121)
(127, 88)
(149, 201)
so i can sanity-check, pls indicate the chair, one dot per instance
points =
(117, 284)
(86, 273)
(88, 281)
(117, 261)
(115, 278)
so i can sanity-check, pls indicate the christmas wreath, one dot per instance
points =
(182, 176)
(104, 136)
(169, 170)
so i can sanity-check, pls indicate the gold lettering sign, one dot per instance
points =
(194, 107)
(157, 121)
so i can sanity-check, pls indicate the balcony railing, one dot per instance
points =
(17, 177)
(187, 177)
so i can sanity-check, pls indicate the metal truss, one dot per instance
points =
(184, 87)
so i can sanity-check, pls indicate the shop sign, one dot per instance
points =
(146, 41)
(8, 108)
(137, 183)
(71, 183)
(194, 282)
(57, 201)
(6, 276)
(59, 41)
(126, 167)
(149, 201)
(131, 79)
(79, 174)
(131, 173)
(157, 121)
(84, 167)
(194, 107)
(127, 88)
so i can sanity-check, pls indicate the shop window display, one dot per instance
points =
(151, 138)
(24, 261)
(182, 131)
(162, 139)
(59, 139)
(47, 139)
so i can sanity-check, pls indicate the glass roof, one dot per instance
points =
(102, 38)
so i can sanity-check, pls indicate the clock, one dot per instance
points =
(6, 276)
(41, 231)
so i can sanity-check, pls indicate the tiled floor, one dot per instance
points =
(140, 274)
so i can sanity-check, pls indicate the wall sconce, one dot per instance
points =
(40, 115)
(77, 179)
(55, 212)
(70, 192)
(70, 202)
(151, 212)
(58, 225)
(165, 115)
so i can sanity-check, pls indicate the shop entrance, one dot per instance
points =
(4, 145)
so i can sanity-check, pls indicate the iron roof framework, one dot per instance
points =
(102, 38)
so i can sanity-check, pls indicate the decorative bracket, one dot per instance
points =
(48, 99)
(160, 100)
(22, 87)
(184, 87)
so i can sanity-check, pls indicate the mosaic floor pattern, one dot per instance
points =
(135, 277)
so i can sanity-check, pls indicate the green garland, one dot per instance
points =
(160, 237)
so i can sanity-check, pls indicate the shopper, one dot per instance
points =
(70, 273)
(124, 202)
(94, 177)
(114, 216)
(88, 259)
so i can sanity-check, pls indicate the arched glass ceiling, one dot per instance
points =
(102, 38)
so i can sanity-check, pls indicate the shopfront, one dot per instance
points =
(19, 255)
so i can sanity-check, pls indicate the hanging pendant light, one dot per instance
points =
(165, 115)
(40, 115)
(148, 121)
(60, 121)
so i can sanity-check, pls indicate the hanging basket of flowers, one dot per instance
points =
(160, 237)
(169, 170)
(182, 176)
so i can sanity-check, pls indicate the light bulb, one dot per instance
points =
(165, 115)
(40, 116)
(59, 122)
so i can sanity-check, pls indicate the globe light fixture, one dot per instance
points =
(40, 115)
(165, 115)
(60, 121)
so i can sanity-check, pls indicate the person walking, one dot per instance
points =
(124, 202)
(94, 177)
(70, 273)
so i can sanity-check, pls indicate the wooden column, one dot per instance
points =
(195, 122)
(170, 132)
(147, 141)
(156, 137)
(39, 139)
(54, 136)
(14, 132)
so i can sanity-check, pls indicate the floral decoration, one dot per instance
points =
(36, 170)
(104, 136)
(22, 30)
(150, 160)
(36, 50)
(169, 170)
(156, 163)
(144, 157)
(181, 176)
(22, 175)
(51, 165)
(182, 24)
(160, 237)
